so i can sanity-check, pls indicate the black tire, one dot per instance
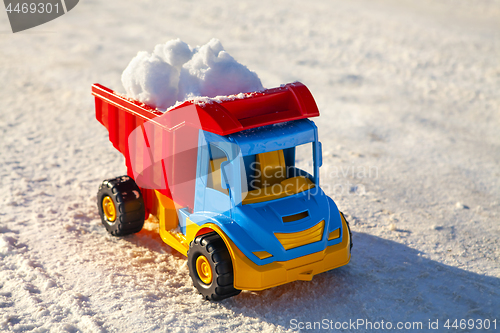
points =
(348, 228)
(212, 247)
(128, 206)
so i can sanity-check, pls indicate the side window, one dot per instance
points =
(304, 160)
(216, 157)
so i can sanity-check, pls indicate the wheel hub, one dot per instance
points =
(108, 206)
(204, 270)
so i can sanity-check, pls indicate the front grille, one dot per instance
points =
(296, 239)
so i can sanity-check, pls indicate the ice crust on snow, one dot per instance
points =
(175, 72)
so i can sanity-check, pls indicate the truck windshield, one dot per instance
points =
(276, 174)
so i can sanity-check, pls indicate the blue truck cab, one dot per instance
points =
(272, 213)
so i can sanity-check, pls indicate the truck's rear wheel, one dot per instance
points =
(121, 206)
(210, 267)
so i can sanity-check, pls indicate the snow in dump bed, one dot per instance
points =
(175, 72)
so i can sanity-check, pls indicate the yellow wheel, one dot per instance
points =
(109, 208)
(204, 270)
(210, 267)
(121, 206)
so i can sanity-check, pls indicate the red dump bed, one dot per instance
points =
(159, 148)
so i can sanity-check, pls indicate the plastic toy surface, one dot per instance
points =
(223, 181)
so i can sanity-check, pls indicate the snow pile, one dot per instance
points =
(176, 72)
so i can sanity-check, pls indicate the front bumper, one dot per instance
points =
(249, 276)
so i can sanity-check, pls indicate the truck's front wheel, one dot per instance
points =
(121, 206)
(210, 267)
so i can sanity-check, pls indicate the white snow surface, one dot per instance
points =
(410, 114)
(175, 72)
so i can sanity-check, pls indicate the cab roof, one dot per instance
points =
(274, 137)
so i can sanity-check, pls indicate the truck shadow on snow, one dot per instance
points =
(386, 281)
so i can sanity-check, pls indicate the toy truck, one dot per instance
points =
(221, 178)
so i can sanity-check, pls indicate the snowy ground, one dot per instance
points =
(408, 90)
